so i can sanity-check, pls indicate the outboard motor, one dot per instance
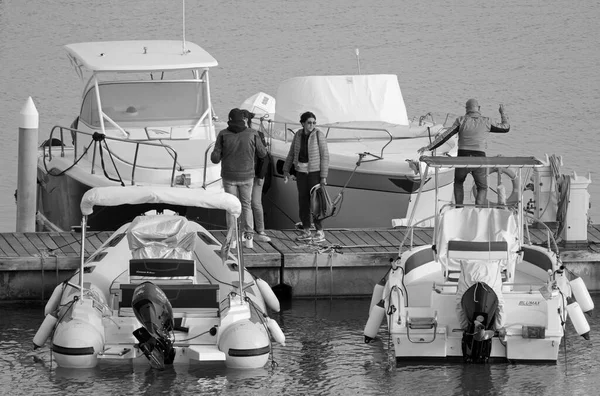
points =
(153, 309)
(479, 304)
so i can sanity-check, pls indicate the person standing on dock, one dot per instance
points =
(310, 157)
(472, 129)
(261, 167)
(236, 147)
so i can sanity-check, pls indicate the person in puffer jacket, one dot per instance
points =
(473, 130)
(310, 156)
(236, 148)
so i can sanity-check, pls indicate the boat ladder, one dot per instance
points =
(425, 323)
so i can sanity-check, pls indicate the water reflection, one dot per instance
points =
(324, 354)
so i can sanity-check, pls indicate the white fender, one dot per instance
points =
(377, 293)
(268, 295)
(374, 322)
(578, 319)
(44, 331)
(275, 331)
(582, 295)
(54, 299)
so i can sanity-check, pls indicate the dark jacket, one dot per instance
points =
(236, 148)
(262, 164)
(472, 129)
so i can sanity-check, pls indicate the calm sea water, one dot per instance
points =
(324, 355)
(538, 58)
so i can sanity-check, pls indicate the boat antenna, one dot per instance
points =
(357, 52)
(185, 51)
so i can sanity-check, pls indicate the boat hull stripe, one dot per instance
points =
(73, 351)
(249, 352)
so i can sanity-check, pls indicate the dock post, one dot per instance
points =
(27, 167)
(575, 232)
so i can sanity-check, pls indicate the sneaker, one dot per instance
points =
(319, 236)
(306, 236)
(262, 237)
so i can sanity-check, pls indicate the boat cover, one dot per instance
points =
(139, 55)
(478, 225)
(160, 236)
(349, 98)
(132, 195)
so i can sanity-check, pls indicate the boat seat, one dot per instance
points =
(162, 271)
(480, 250)
(199, 300)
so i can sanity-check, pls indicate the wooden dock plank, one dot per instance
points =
(347, 243)
(7, 250)
(36, 241)
(63, 248)
(15, 244)
(594, 234)
(27, 245)
(357, 240)
(369, 238)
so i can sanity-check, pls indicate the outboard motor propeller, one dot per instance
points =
(153, 309)
(479, 303)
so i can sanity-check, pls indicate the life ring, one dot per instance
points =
(511, 199)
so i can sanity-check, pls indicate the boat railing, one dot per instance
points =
(206, 154)
(96, 138)
(288, 130)
(550, 239)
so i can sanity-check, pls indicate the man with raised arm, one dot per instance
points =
(473, 130)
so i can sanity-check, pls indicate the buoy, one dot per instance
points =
(582, 295)
(374, 322)
(377, 293)
(54, 299)
(44, 331)
(275, 331)
(268, 295)
(578, 319)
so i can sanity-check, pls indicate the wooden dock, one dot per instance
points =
(34, 262)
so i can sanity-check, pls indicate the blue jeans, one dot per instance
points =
(479, 175)
(257, 208)
(242, 190)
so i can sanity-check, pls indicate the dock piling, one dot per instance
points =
(27, 167)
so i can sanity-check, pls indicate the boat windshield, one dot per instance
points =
(159, 103)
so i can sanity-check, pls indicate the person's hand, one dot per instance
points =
(501, 109)
(422, 150)
(260, 181)
(323, 181)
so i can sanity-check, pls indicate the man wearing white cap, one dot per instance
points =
(472, 129)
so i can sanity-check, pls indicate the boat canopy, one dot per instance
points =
(132, 195)
(139, 56)
(333, 99)
(481, 162)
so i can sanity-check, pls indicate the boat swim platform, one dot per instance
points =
(348, 264)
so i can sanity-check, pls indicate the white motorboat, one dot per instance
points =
(146, 119)
(478, 291)
(373, 148)
(161, 290)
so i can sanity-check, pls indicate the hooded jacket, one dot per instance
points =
(236, 148)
